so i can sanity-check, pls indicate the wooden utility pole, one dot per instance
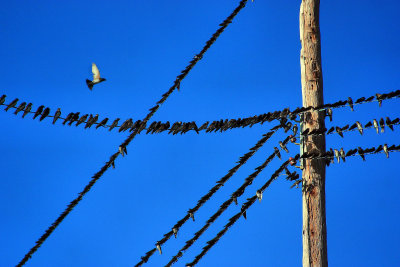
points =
(314, 216)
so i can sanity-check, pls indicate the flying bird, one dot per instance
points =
(96, 77)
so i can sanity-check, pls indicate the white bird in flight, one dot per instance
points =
(96, 77)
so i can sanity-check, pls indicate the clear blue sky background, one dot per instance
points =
(46, 48)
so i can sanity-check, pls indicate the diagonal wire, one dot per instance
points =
(252, 200)
(123, 146)
(245, 206)
(190, 214)
(227, 203)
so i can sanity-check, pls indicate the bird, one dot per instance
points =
(12, 104)
(329, 113)
(69, 116)
(330, 130)
(385, 148)
(27, 109)
(46, 112)
(277, 152)
(114, 124)
(96, 77)
(82, 119)
(389, 123)
(359, 126)
(361, 153)
(295, 129)
(38, 111)
(376, 126)
(74, 118)
(191, 215)
(2, 99)
(339, 131)
(57, 115)
(259, 195)
(158, 246)
(350, 101)
(378, 97)
(342, 154)
(175, 231)
(20, 108)
(122, 150)
(244, 213)
(382, 124)
(337, 155)
(283, 147)
(102, 123)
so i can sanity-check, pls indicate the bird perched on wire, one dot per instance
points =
(96, 77)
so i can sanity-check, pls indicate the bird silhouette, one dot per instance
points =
(96, 77)
(2, 99)
(27, 109)
(38, 111)
(57, 115)
(46, 112)
(12, 104)
(20, 108)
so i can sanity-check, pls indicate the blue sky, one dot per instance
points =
(47, 48)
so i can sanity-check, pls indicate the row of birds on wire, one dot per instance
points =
(221, 125)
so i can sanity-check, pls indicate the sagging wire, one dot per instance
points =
(235, 195)
(191, 212)
(183, 127)
(243, 211)
(142, 125)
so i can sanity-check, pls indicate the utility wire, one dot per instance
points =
(190, 213)
(183, 127)
(331, 154)
(243, 212)
(379, 126)
(240, 191)
(122, 147)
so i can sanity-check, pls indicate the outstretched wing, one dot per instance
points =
(96, 72)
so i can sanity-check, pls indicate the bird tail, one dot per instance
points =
(89, 84)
